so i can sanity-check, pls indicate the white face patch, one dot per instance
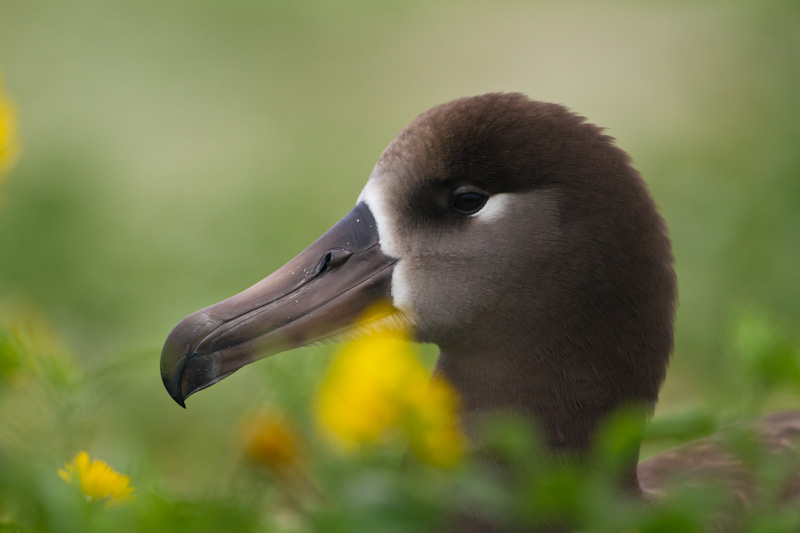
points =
(494, 208)
(373, 197)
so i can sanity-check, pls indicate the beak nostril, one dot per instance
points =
(333, 258)
(337, 256)
(323, 265)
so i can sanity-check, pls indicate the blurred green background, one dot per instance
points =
(173, 153)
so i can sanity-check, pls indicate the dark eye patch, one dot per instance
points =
(468, 203)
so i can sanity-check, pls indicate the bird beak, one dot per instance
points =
(317, 295)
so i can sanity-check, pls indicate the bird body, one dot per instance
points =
(511, 233)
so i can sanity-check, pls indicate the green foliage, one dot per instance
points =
(511, 481)
(769, 357)
(682, 427)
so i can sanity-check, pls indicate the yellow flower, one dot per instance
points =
(270, 441)
(97, 480)
(376, 388)
(8, 134)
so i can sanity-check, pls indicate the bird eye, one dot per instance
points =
(468, 203)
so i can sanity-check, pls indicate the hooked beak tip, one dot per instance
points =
(171, 377)
(173, 363)
(179, 401)
(178, 352)
(175, 393)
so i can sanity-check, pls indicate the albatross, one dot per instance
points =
(517, 237)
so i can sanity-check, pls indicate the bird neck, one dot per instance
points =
(559, 393)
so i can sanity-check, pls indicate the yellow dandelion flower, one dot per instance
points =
(269, 440)
(360, 399)
(97, 480)
(8, 134)
(376, 388)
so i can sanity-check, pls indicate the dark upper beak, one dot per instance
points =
(318, 294)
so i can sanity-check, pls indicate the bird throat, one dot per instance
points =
(565, 408)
